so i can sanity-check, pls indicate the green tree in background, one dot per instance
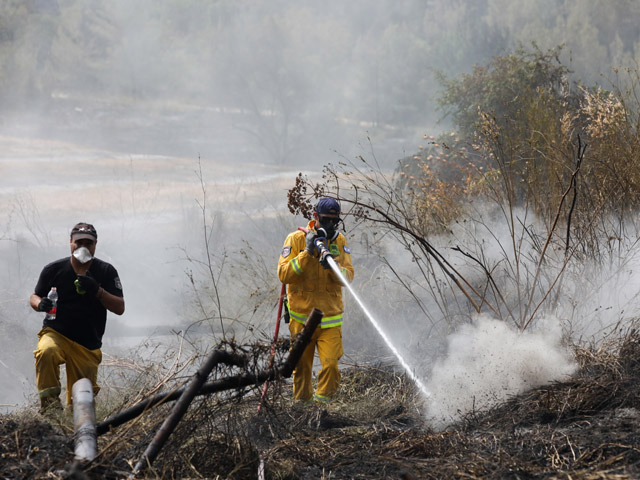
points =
(502, 87)
(521, 133)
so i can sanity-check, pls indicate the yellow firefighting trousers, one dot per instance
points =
(55, 349)
(328, 341)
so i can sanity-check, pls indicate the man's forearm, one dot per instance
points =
(34, 301)
(111, 302)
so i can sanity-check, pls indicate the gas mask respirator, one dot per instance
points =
(330, 227)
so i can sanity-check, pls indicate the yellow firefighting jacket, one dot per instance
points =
(309, 285)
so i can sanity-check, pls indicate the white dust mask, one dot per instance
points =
(82, 254)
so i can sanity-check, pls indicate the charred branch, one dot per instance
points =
(285, 370)
(178, 411)
(574, 187)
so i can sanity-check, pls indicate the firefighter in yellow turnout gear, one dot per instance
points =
(311, 284)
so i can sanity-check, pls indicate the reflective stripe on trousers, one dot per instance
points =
(327, 322)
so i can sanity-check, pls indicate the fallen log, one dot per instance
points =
(130, 413)
(228, 383)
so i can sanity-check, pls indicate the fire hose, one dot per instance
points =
(273, 343)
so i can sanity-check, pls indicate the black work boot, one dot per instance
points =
(50, 406)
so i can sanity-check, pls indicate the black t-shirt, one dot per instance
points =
(81, 318)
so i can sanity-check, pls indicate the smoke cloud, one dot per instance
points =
(489, 361)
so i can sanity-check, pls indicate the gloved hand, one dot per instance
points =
(45, 304)
(85, 284)
(323, 259)
(311, 239)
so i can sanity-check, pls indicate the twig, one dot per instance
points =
(442, 262)
(546, 245)
(207, 237)
(491, 280)
(581, 151)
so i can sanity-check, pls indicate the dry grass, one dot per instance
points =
(584, 428)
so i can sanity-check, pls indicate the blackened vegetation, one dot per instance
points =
(303, 196)
(31, 447)
(583, 428)
(298, 200)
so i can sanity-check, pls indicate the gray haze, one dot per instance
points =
(278, 81)
(135, 115)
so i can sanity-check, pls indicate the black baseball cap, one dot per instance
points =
(83, 230)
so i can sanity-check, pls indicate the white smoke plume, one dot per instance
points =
(489, 361)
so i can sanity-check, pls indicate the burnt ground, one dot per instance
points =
(586, 428)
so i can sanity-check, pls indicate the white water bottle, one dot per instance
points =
(53, 296)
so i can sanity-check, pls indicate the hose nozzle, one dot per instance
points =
(321, 245)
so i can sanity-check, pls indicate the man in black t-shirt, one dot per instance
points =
(72, 331)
